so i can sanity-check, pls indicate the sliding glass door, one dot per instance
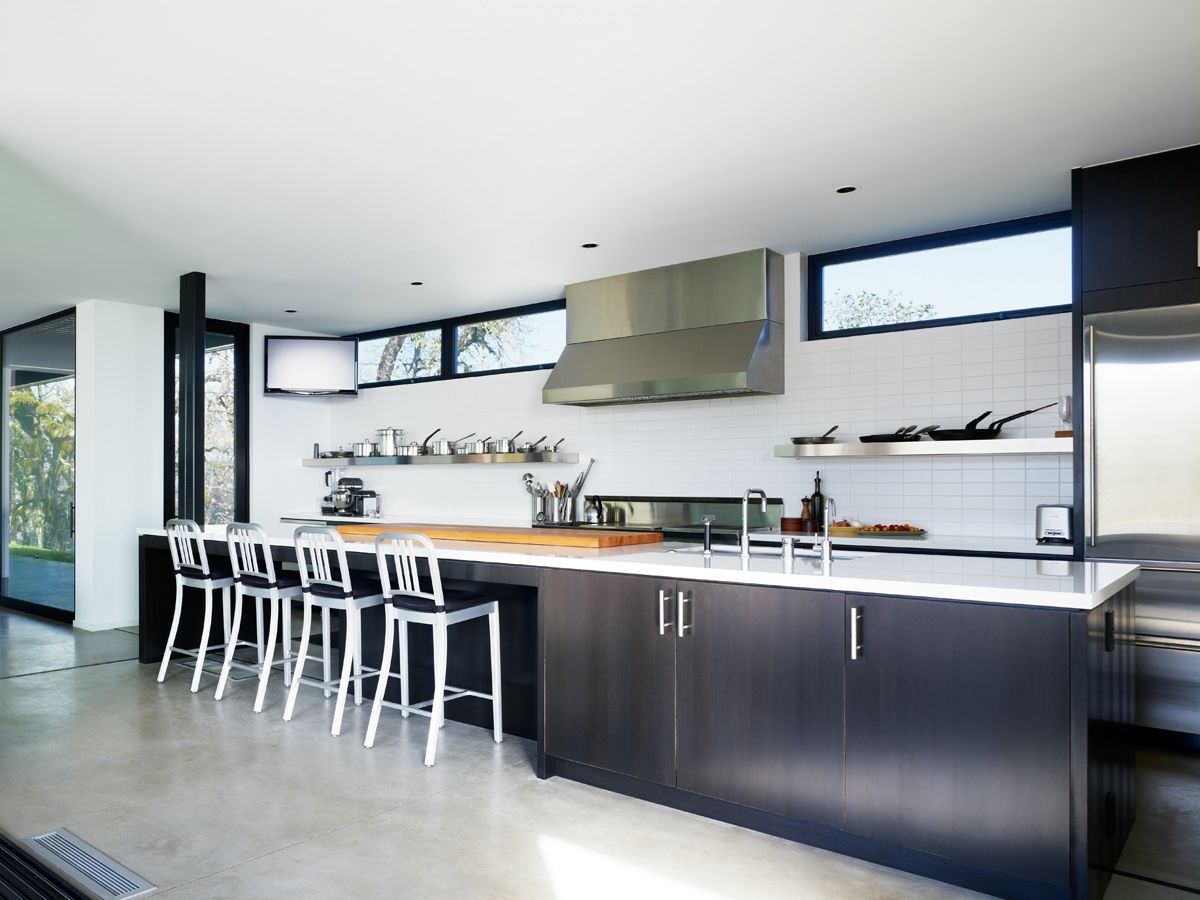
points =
(38, 449)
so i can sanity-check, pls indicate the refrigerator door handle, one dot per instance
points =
(1089, 439)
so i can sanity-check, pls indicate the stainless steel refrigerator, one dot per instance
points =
(1141, 437)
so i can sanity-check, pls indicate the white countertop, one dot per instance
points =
(1059, 584)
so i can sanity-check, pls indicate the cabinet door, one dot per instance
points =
(957, 732)
(1141, 219)
(609, 673)
(760, 677)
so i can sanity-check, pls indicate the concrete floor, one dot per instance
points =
(209, 800)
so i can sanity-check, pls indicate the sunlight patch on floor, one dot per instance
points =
(578, 873)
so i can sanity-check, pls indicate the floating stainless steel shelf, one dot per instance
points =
(995, 447)
(334, 462)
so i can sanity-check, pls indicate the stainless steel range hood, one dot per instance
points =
(697, 329)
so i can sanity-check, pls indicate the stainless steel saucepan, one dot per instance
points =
(476, 446)
(444, 447)
(504, 445)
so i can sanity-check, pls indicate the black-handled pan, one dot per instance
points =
(974, 433)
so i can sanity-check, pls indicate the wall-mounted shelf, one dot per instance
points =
(995, 447)
(339, 462)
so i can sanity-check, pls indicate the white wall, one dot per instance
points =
(722, 446)
(118, 455)
(282, 432)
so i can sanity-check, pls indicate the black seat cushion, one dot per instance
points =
(283, 580)
(215, 571)
(364, 586)
(455, 599)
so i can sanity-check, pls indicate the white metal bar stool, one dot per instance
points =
(192, 569)
(325, 582)
(409, 602)
(254, 569)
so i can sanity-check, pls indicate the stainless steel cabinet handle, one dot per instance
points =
(663, 624)
(680, 626)
(855, 634)
(1089, 468)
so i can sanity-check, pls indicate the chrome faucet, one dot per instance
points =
(708, 524)
(745, 537)
(824, 545)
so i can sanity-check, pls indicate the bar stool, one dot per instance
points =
(322, 550)
(399, 551)
(254, 571)
(192, 569)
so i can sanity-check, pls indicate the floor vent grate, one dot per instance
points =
(84, 864)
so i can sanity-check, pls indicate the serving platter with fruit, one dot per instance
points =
(891, 531)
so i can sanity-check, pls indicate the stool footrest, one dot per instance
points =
(423, 708)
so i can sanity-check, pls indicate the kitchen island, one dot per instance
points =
(958, 717)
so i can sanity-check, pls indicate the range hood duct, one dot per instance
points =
(707, 328)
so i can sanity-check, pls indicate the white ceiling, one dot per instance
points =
(323, 155)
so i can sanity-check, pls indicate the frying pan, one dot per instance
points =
(974, 433)
(908, 433)
(821, 439)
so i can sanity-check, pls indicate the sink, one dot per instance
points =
(761, 552)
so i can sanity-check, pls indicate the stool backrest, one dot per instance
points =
(398, 552)
(248, 544)
(186, 540)
(321, 558)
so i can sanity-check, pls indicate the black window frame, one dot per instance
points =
(449, 358)
(971, 235)
(240, 332)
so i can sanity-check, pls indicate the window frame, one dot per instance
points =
(240, 332)
(971, 235)
(449, 358)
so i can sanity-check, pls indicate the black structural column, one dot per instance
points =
(191, 396)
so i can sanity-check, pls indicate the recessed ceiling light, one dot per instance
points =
(416, 283)
(846, 189)
(289, 310)
(589, 246)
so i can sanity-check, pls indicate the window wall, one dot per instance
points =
(226, 441)
(509, 340)
(999, 271)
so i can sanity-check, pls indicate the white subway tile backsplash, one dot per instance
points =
(721, 446)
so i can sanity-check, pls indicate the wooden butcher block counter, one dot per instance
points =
(503, 534)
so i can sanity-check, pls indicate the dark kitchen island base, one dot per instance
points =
(979, 743)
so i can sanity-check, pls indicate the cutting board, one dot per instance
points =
(496, 534)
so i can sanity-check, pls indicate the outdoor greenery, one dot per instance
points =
(868, 308)
(40, 553)
(41, 422)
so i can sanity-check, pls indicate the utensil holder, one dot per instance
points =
(540, 510)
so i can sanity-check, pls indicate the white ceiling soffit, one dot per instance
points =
(321, 156)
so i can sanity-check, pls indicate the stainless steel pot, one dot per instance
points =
(366, 448)
(476, 446)
(424, 448)
(533, 446)
(389, 440)
(447, 448)
(504, 445)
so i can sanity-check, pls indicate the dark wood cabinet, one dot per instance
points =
(958, 733)
(1140, 220)
(609, 674)
(759, 686)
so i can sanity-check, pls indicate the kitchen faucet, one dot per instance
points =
(746, 518)
(824, 545)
